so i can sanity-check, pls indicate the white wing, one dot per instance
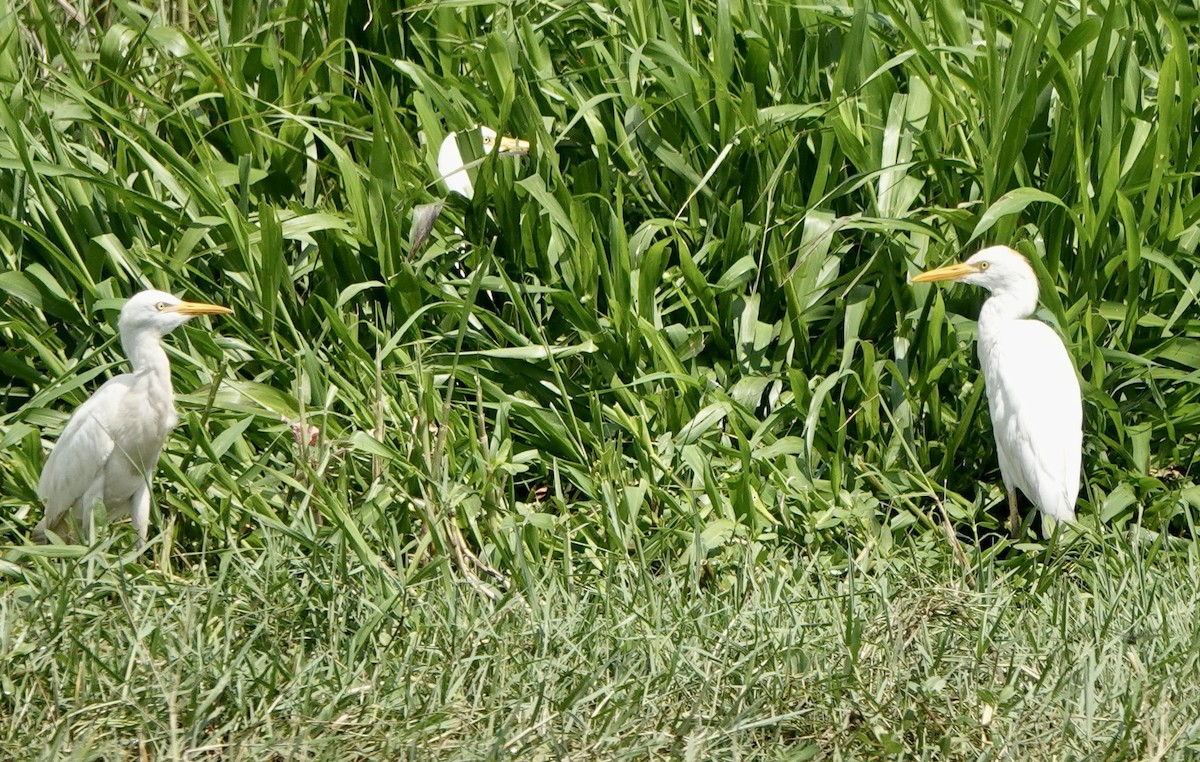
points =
(1037, 413)
(83, 449)
(450, 164)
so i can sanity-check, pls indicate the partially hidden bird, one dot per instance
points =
(108, 452)
(454, 173)
(450, 156)
(1033, 392)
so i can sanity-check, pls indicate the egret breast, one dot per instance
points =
(146, 418)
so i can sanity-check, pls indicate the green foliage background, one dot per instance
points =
(675, 343)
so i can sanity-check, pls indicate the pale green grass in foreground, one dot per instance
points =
(1085, 653)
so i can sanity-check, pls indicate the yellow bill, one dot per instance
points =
(198, 308)
(507, 145)
(949, 272)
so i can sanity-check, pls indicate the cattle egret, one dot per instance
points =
(110, 447)
(450, 157)
(1033, 393)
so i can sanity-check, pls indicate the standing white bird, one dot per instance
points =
(108, 452)
(1033, 392)
(450, 157)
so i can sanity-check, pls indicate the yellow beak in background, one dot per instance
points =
(198, 308)
(507, 145)
(949, 272)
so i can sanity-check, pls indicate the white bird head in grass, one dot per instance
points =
(450, 155)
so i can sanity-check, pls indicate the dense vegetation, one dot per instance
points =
(649, 449)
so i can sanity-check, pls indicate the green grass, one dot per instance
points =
(703, 477)
(1091, 653)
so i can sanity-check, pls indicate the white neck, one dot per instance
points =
(152, 379)
(1015, 302)
(146, 355)
(1010, 304)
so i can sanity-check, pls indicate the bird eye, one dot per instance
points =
(160, 306)
(983, 266)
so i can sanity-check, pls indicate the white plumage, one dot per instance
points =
(110, 447)
(450, 160)
(1033, 393)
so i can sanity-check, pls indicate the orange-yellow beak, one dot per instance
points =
(509, 145)
(949, 272)
(198, 308)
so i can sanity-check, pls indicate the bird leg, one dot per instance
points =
(93, 499)
(1014, 516)
(39, 532)
(140, 512)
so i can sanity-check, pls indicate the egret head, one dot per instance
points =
(157, 313)
(502, 144)
(996, 268)
(450, 156)
(999, 269)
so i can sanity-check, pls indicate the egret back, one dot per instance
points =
(1037, 411)
(82, 449)
(108, 448)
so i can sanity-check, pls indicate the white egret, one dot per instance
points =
(109, 449)
(1033, 393)
(450, 157)
(454, 174)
